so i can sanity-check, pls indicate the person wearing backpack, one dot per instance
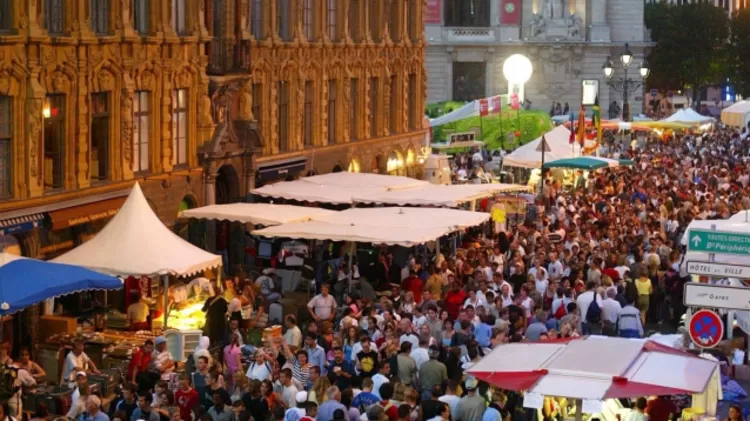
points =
(589, 303)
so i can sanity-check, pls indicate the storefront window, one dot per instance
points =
(395, 164)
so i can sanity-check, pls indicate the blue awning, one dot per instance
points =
(25, 282)
(20, 224)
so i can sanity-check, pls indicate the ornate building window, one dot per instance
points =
(307, 14)
(332, 111)
(179, 126)
(100, 17)
(283, 14)
(99, 136)
(140, 16)
(374, 106)
(412, 20)
(54, 16)
(333, 22)
(283, 116)
(258, 103)
(472, 13)
(307, 125)
(394, 108)
(413, 112)
(394, 8)
(6, 15)
(375, 14)
(54, 143)
(355, 23)
(141, 132)
(6, 147)
(354, 108)
(179, 17)
(217, 63)
(256, 19)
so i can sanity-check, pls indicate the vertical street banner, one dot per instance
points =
(510, 12)
(432, 14)
(484, 108)
(582, 126)
(514, 103)
(597, 119)
(495, 104)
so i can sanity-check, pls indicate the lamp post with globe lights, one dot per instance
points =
(624, 84)
(517, 70)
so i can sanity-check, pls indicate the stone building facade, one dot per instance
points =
(94, 96)
(312, 86)
(567, 41)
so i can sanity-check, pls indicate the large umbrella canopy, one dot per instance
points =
(25, 282)
(595, 367)
(583, 163)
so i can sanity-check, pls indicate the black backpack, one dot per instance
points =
(8, 385)
(594, 313)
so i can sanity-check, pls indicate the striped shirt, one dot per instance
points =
(299, 373)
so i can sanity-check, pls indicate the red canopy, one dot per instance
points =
(595, 367)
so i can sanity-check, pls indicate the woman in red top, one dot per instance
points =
(454, 300)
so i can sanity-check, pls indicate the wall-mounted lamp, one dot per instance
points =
(46, 110)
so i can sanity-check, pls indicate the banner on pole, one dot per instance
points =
(510, 13)
(484, 108)
(432, 14)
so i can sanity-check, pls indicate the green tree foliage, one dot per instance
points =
(691, 45)
(739, 51)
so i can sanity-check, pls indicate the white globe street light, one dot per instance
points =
(517, 69)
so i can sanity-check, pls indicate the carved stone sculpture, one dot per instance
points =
(245, 103)
(206, 119)
(35, 130)
(127, 126)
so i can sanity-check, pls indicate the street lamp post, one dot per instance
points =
(625, 84)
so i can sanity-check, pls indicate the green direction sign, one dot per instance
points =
(720, 242)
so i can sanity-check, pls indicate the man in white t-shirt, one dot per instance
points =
(288, 389)
(322, 307)
(259, 369)
(76, 361)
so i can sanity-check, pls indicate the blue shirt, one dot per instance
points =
(365, 399)
(100, 416)
(491, 414)
(483, 334)
(317, 356)
(325, 411)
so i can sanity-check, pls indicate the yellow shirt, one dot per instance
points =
(643, 285)
(435, 286)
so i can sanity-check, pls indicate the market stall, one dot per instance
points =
(266, 214)
(439, 195)
(594, 369)
(393, 226)
(530, 155)
(737, 114)
(136, 244)
(688, 116)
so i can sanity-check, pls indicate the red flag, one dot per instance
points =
(572, 130)
(510, 14)
(484, 108)
(495, 104)
(514, 103)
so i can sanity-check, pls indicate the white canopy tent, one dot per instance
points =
(449, 196)
(136, 242)
(256, 213)
(558, 140)
(349, 188)
(471, 109)
(688, 116)
(336, 188)
(737, 114)
(393, 226)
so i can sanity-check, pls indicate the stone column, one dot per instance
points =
(209, 198)
(249, 168)
(599, 28)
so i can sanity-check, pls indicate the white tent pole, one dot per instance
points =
(579, 409)
(165, 278)
(352, 250)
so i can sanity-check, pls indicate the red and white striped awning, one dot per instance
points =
(595, 367)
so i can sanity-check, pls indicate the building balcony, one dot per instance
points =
(468, 35)
(227, 56)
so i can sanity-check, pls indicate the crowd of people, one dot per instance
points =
(601, 256)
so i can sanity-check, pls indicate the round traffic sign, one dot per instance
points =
(706, 328)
